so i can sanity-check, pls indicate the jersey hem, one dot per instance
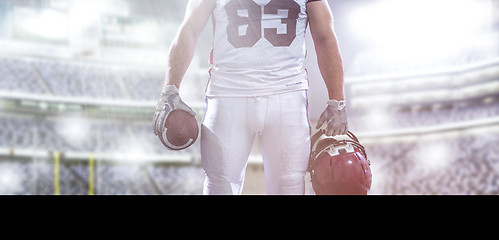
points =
(262, 94)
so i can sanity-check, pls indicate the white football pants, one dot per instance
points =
(227, 133)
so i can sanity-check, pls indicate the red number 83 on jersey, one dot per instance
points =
(246, 20)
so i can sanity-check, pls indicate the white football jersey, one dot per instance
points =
(258, 47)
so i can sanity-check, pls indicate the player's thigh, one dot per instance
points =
(225, 139)
(286, 138)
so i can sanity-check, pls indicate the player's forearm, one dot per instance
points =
(179, 58)
(326, 46)
(331, 66)
(184, 45)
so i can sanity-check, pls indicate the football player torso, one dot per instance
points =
(258, 47)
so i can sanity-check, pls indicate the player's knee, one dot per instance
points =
(292, 184)
(292, 179)
(215, 184)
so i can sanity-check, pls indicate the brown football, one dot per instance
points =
(181, 130)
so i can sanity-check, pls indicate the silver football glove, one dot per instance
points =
(169, 101)
(335, 115)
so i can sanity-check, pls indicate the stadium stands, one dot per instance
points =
(397, 164)
(465, 164)
(78, 79)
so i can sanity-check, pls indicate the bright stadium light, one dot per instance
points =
(131, 150)
(10, 179)
(74, 129)
(421, 29)
(48, 24)
(84, 13)
(434, 156)
(379, 118)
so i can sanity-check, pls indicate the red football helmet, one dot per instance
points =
(181, 130)
(339, 167)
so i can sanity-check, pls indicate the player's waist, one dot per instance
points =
(261, 75)
(237, 84)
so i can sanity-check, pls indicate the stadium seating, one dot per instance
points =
(397, 166)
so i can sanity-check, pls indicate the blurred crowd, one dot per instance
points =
(460, 163)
